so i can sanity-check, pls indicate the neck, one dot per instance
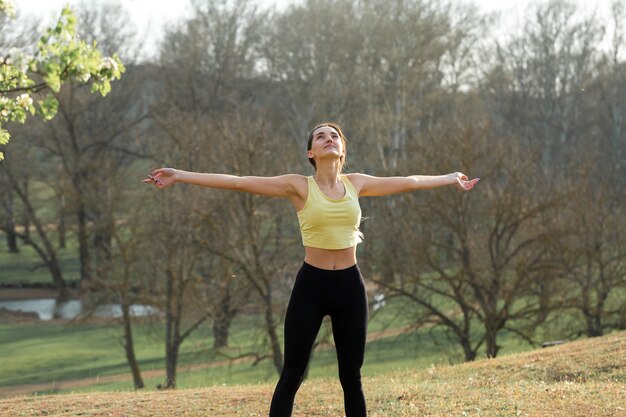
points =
(328, 173)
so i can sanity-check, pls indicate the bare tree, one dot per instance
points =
(315, 62)
(226, 296)
(90, 132)
(12, 37)
(180, 285)
(127, 282)
(420, 56)
(259, 233)
(539, 82)
(611, 84)
(126, 250)
(212, 59)
(20, 174)
(590, 251)
(477, 258)
(556, 88)
(8, 214)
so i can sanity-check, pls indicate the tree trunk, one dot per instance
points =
(61, 228)
(103, 238)
(277, 356)
(102, 252)
(468, 351)
(9, 227)
(594, 324)
(129, 346)
(223, 319)
(49, 257)
(57, 276)
(221, 327)
(172, 342)
(12, 238)
(47, 253)
(592, 318)
(83, 248)
(25, 216)
(491, 333)
(171, 358)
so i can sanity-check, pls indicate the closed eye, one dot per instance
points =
(321, 136)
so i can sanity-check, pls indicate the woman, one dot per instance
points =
(329, 282)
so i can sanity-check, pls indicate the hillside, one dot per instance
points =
(584, 378)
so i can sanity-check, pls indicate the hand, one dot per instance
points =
(162, 177)
(462, 183)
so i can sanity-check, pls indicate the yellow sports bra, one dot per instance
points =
(327, 223)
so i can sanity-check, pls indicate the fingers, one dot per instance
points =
(466, 185)
(158, 171)
(470, 184)
(156, 180)
(162, 172)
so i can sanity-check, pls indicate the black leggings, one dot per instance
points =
(317, 293)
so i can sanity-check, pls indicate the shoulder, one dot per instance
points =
(296, 179)
(357, 180)
(355, 176)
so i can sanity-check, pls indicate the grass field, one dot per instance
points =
(583, 378)
(51, 353)
(56, 356)
(27, 267)
(405, 374)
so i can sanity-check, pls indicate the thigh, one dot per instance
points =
(350, 326)
(302, 322)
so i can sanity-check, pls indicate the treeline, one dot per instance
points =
(420, 87)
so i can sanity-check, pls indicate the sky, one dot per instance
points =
(150, 16)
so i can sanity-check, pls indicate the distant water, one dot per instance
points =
(49, 308)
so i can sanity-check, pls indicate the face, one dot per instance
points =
(326, 143)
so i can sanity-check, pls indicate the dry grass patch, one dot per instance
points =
(585, 378)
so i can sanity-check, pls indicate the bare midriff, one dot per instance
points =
(330, 259)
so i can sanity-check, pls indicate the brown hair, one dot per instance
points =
(344, 141)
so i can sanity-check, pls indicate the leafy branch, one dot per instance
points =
(60, 57)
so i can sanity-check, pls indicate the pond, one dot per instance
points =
(49, 308)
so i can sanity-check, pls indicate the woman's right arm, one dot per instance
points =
(280, 186)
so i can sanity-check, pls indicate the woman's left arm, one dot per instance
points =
(369, 186)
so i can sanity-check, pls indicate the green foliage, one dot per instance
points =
(7, 8)
(60, 57)
(47, 108)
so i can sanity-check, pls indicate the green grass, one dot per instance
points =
(26, 267)
(42, 353)
(46, 352)
(37, 352)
